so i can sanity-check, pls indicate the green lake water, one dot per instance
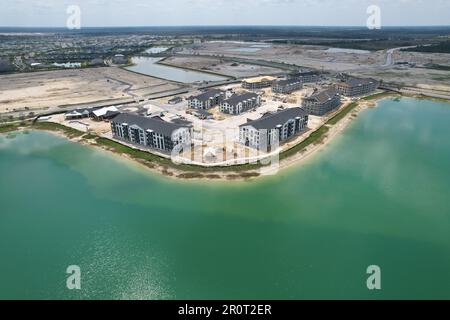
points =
(377, 195)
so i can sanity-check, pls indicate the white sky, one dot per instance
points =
(97, 13)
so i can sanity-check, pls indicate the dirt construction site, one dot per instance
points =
(405, 68)
(221, 66)
(64, 88)
(216, 139)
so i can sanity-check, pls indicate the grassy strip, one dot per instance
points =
(152, 158)
(51, 126)
(315, 138)
(341, 115)
(380, 96)
(5, 128)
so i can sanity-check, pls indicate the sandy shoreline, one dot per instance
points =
(218, 174)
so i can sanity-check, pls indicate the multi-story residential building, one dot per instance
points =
(305, 76)
(206, 100)
(239, 103)
(273, 128)
(258, 83)
(152, 133)
(322, 102)
(352, 86)
(286, 86)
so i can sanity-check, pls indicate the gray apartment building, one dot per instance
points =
(305, 76)
(322, 102)
(151, 133)
(239, 103)
(352, 86)
(206, 100)
(273, 128)
(286, 86)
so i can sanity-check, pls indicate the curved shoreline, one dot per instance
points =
(296, 155)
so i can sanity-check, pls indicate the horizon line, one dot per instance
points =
(228, 26)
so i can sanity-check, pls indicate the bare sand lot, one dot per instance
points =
(217, 65)
(415, 77)
(307, 56)
(53, 89)
(420, 58)
(358, 62)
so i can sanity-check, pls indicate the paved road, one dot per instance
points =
(390, 61)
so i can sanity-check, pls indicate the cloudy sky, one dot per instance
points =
(95, 13)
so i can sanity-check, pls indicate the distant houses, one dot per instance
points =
(206, 100)
(273, 128)
(239, 103)
(258, 83)
(286, 86)
(305, 76)
(322, 102)
(152, 133)
(353, 86)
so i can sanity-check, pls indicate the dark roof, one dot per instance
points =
(156, 124)
(203, 112)
(301, 73)
(237, 98)
(82, 110)
(207, 95)
(324, 95)
(111, 114)
(272, 120)
(286, 82)
(182, 122)
(354, 82)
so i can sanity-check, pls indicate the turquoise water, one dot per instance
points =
(150, 67)
(378, 195)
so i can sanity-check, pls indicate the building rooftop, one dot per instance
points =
(80, 111)
(272, 120)
(286, 82)
(102, 112)
(237, 98)
(324, 95)
(355, 82)
(156, 123)
(304, 73)
(207, 95)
